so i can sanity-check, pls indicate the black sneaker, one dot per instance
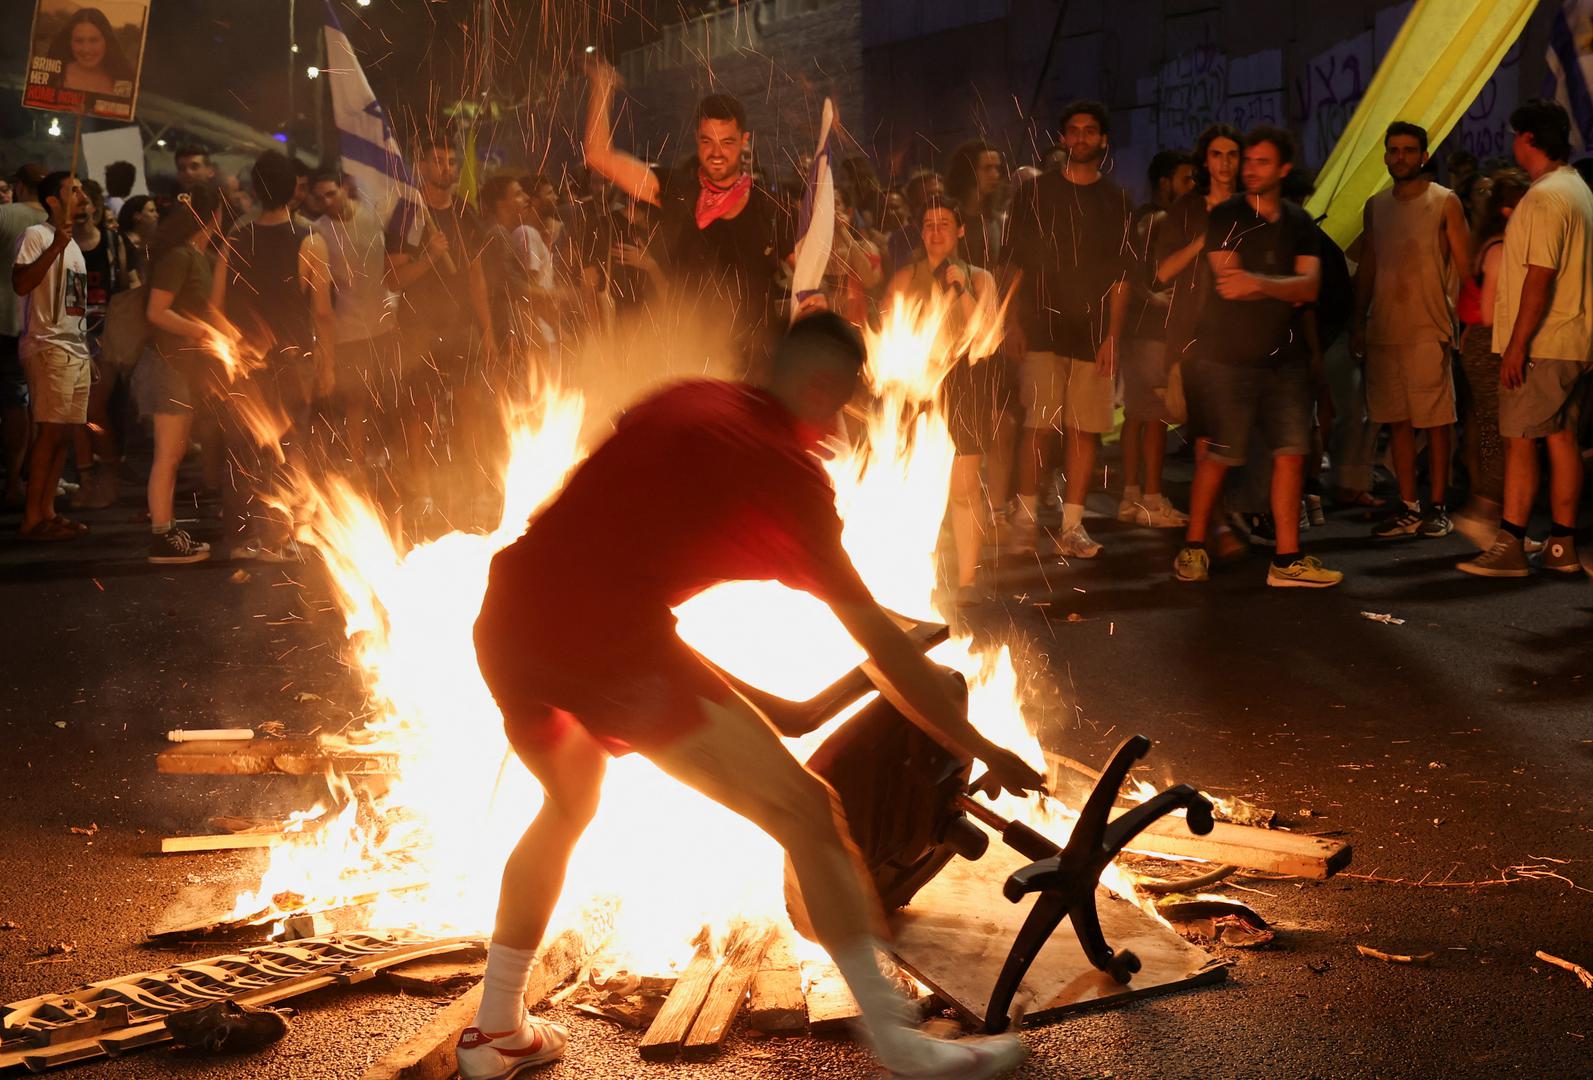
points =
(176, 546)
(1403, 522)
(1435, 523)
(1263, 533)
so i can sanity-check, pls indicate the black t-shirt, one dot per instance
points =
(1147, 299)
(437, 305)
(101, 268)
(735, 259)
(1256, 332)
(981, 241)
(1073, 243)
(603, 229)
(1186, 219)
(1335, 303)
(264, 297)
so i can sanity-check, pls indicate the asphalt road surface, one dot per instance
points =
(1452, 747)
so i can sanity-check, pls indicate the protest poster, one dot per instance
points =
(101, 148)
(85, 58)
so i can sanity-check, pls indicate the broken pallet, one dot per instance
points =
(670, 1027)
(117, 1015)
(743, 953)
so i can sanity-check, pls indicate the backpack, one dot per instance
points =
(126, 328)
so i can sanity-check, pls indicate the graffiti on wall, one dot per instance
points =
(1485, 127)
(1327, 92)
(1191, 92)
(1203, 87)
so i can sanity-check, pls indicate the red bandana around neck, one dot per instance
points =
(714, 202)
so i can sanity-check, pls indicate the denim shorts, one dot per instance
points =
(1238, 399)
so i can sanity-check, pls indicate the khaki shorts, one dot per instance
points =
(1546, 403)
(1412, 383)
(1060, 392)
(58, 385)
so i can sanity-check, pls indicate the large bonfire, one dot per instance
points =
(666, 860)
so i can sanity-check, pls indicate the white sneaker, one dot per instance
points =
(1020, 535)
(980, 1058)
(1075, 543)
(1152, 511)
(1167, 516)
(536, 1042)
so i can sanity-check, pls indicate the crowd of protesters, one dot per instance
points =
(276, 321)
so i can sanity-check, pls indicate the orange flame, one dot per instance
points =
(460, 800)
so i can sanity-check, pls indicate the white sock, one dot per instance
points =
(160, 530)
(1131, 494)
(1072, 516)
(1414, 507)
(888, 1020)
(503, 989)
(1028, 509)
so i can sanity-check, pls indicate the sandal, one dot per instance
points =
(47, 530)
(76, 528)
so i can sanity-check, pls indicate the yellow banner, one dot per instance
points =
(1444, 54)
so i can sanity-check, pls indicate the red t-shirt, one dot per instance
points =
(704, 482)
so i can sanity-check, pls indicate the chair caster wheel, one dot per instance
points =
(1123, 966)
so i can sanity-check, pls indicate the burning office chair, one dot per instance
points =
(911, 809)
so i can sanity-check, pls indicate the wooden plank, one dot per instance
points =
(429, 1054)
(561, 959)
(439, 975)
(743, 955)
(775, 1005)
(831, 1007)
(670, 1027)
(956, 934)
(296, 756)
(1274, 850)
(219, 842)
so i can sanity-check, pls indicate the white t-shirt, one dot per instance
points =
(1552, 227)
(538, 259)
(357, 251)
(54, 315)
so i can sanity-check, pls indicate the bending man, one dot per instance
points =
(576, 642)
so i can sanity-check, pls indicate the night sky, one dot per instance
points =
(232, 55)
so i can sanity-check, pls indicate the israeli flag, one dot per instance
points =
(365, 137)
(816, 222)
(1570, 59)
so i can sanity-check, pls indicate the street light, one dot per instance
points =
(363, 3)
(55, 126)
(312, 72)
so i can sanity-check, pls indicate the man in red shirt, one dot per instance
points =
(576, 641)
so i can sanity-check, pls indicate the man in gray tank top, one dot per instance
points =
(1415, 242)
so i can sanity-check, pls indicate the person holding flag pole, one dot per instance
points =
(433, 261)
